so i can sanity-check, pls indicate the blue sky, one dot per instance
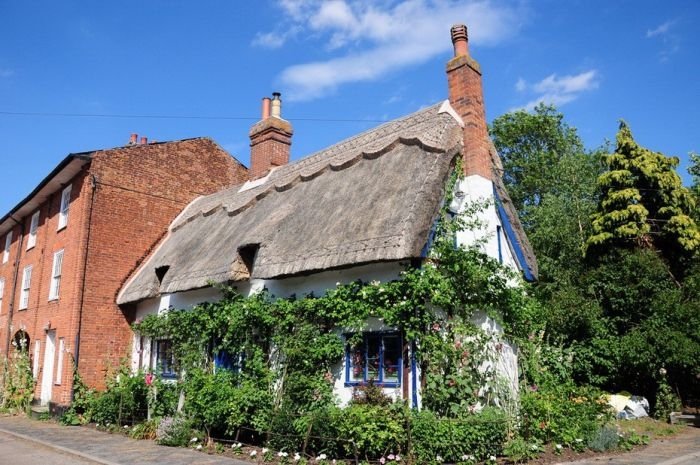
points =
(332, 60)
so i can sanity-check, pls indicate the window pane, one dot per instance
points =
(374, 344)
(166, 358)
(357, 362)
(392, 358)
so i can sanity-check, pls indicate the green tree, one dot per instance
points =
(551, 178)
(643, 201)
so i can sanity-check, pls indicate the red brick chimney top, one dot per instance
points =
(460, 39)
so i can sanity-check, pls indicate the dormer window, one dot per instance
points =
(161, 271)
(247, 254)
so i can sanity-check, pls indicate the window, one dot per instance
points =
(226, 361)
(165, 358)
(2, 291)
(59, 368)
(8, 242)
(35, 362)
(65, 205)
(26, 284)
(56, 275)
(33, 226)
(376, 357)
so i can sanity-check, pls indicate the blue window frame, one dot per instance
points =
(165, 358)
(377, 357)
(225, 361)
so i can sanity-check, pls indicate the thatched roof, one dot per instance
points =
(370, 198)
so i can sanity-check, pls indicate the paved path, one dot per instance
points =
(683, 449)
(91, 446)
(16, 451)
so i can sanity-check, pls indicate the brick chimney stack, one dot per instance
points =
(270, 138)
(467, 98)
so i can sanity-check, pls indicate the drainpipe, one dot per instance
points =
(93, 186)
(14, 287)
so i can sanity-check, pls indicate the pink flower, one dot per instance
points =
(149, 379)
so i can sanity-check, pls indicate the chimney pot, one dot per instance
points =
(276, 105)
(460, 39)
(133, 139)
(144, 140)
(265, 107)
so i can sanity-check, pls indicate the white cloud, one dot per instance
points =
(662, 29)
(369, 39)
(558, 90)
(670, 41)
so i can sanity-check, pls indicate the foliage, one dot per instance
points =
(125, 402)
(607, 438)
(480, 435)
(518, 450)
(145, 430)
(565, 414)
(174, 431)
(666, 401)
(643, 201)
(17, 381)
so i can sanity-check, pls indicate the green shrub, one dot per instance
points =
(375, 430)
(607, 438)
(124, 402)
(564, 414)
(518, 450)
(145, 430)
(480, 435)
(666, 402)
(174, 431)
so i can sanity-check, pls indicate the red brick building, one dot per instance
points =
(68, 247)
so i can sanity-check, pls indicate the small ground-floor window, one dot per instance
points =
(165, 358)
(377, 358)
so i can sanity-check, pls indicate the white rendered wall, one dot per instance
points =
(476, 188)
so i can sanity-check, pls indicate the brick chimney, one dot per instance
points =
(270, 138)
(467, 98)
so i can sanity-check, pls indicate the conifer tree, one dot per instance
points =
(643, 201)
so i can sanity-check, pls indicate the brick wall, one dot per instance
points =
(139, 191)
(124, 201)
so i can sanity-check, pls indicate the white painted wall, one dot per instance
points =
(476, 188)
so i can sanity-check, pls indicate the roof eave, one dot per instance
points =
(58, 177)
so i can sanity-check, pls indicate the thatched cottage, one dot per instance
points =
(360, 209)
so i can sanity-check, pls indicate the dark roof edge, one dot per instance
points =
(86, 156)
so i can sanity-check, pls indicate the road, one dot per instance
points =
(15, 451)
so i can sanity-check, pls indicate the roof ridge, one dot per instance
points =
(297, 177)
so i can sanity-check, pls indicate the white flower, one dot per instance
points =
(265, 450)
(282, 454)
(126, 426)
(199, 447)
(253, 453)
(578, 440)
(492, 458)
(534, 447)
(237, 445)
(297, 457)
(468, 457)
(558, 446)
(398, 458)
(321, 457)
(438, 459)
(193, 440)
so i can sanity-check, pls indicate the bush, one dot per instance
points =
(480, 435)
(146, 430)
(607, 438)
(518, 450)
(174, 431)
(124, 402)
(375, 430)
(564, 414)
(666, 402)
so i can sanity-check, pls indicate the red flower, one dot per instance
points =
(149, 379)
